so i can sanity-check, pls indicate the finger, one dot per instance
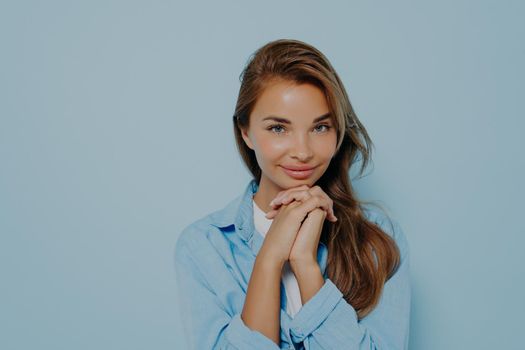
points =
(307, 206)
(330, 215)
(271, 214)
(290, 195)
(280, 195)
(330, 211)
(290, 198)
(297, 195)
(322, 203)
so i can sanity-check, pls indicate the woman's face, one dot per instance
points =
(290, 128)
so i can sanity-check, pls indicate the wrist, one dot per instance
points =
(268, 261)
(309, 278)
(304, 267)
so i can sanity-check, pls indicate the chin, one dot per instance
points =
(297, 182)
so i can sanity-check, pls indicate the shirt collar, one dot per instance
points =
(239, 212)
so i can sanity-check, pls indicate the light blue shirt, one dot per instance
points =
(214, 257)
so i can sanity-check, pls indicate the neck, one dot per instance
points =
(265, 194)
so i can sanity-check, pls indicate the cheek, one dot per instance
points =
(272, 148)
(326, 148)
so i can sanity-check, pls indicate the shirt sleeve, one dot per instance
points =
(206, 323)
(328, 321)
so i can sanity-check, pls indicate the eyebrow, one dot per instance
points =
(286, 121)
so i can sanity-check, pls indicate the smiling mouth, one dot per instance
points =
(299, 174)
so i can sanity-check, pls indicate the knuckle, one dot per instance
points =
(317, 190)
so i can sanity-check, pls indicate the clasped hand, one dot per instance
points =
(312, 206)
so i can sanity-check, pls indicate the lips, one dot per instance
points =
(299, 172)
(298, 167)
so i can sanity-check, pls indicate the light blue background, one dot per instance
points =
(115, 133)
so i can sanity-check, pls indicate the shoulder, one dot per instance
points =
(204, 234)
(194, 234)
(389, 225)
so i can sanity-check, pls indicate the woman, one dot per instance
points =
(296, 261)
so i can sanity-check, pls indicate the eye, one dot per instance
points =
(279, 128)
(325, 125)
(276, 126)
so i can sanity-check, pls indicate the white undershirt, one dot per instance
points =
(293, 294)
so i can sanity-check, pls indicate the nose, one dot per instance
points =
(301, 149)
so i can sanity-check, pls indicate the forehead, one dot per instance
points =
(296, 102)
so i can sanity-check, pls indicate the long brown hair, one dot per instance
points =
(361, 257)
